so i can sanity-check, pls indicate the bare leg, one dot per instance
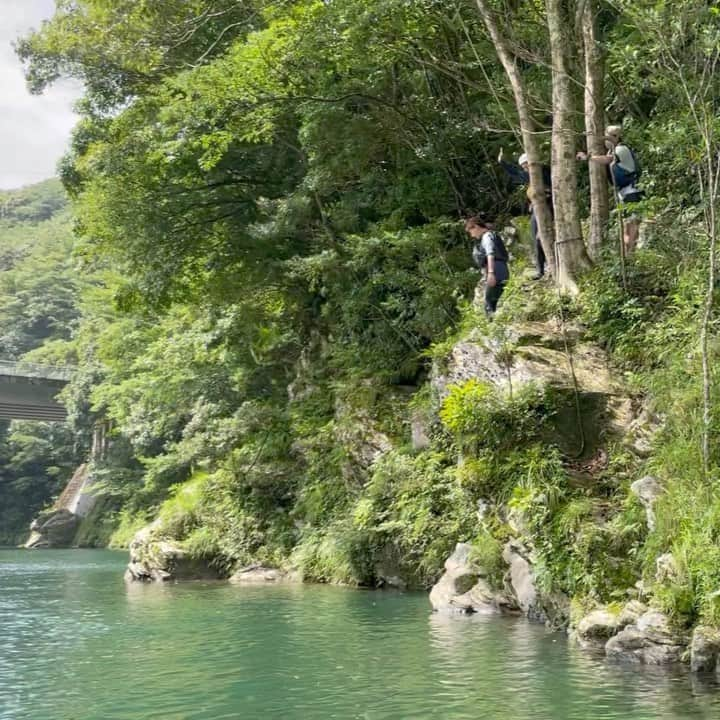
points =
(630, 238)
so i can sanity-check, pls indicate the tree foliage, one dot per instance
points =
(266, 200)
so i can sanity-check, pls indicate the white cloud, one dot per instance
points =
(34, 130)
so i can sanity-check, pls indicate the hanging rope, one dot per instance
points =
(621, 228)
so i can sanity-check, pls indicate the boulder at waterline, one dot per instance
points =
(155, 558)
(258, 574)
(705, 649)
(464, 588)
(53, 529)
(651, 640)
(597, 626)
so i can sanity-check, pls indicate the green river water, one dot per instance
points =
(77, 643)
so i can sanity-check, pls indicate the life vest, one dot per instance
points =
(479, 254)
(623, 176)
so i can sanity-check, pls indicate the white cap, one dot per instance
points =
(522, 159)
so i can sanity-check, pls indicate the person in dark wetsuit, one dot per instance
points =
(491, 257)
(520, 177)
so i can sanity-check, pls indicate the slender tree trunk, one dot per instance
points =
(595, 125)
(571, 253)
(527, 129)
(713, 176)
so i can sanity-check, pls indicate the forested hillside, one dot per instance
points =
(39, 305)
(268, 197)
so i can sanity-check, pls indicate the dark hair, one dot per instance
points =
(478, 221)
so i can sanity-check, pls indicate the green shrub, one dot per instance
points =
(487, 553)
(339, 553)
(480, 416)
(128, 524)
(415, 505)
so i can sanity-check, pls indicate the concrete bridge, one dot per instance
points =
(28, 391)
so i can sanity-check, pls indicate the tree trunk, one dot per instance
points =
(595, 125)
(713, 177)
(527, 129)
(571, 254)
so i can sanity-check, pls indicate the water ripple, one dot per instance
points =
(78, 644)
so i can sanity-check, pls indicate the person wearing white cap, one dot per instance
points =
(519, 175)
(623, 172)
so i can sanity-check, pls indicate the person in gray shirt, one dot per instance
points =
(491, 257)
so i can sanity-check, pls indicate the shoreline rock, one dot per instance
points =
(53, 529)
(705, 649)
(651, 640)
(156, 559)
(259, 574)
(463, 588)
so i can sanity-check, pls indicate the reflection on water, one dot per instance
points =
(77, 643)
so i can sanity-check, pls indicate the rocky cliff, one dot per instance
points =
(57, 527)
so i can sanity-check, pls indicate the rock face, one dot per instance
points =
(666, 569)
(419, 435)
(651, 641)
(648, 490)
(551, 609)
(463, 588)
(54, 528)
(642, 432)
(154, 558)
(357, 430)
(539, 357)
(631, 613)
(599, 625)
(705, 649)
(259, 574)
(522, 580)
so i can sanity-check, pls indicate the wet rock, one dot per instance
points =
(464, 587)
(552, 609)
(648, 490)
(154, 558)
(254, 574)
(53, 529)
(598, 625)
(36, 542)
(390, 572)
(705, 649)
(651, 640)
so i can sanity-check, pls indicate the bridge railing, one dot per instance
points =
(19, 368)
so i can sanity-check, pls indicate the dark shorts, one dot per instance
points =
(633, 198)
(628, 204)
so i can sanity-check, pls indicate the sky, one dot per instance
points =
(34, 130)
